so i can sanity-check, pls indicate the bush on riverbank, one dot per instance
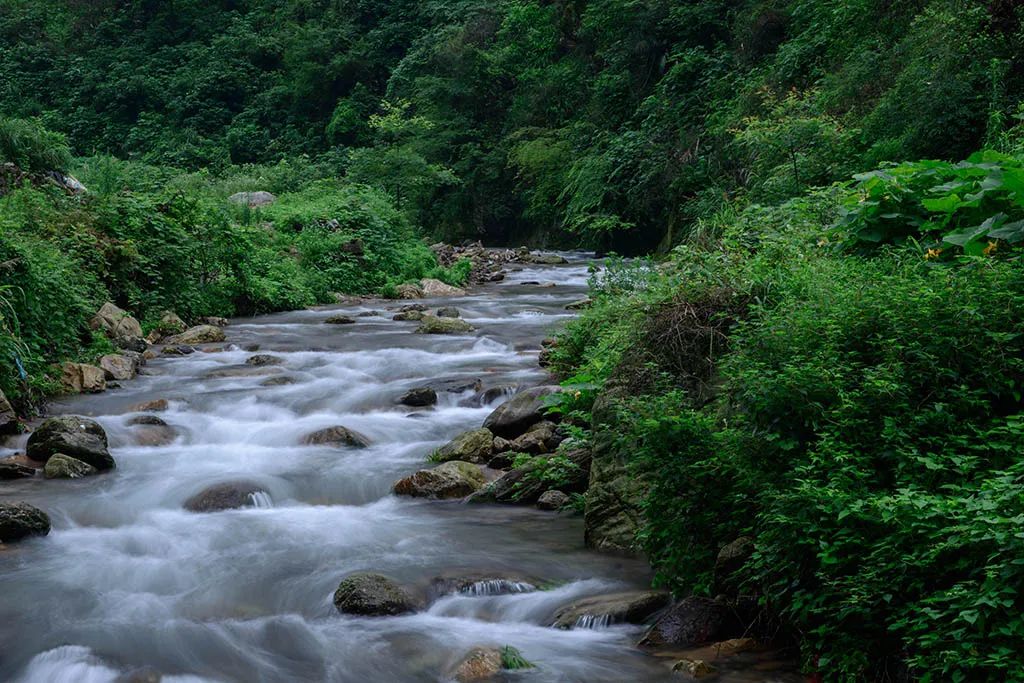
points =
(860, 418)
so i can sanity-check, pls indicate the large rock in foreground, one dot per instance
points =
(20, 520)
(691, 622)
(515, 416)
(372, 595)
(634, 607)
(336, 436)
(474, 446)
(200, 334)
(62, 466)
(79, 437)
(227, 496)
(455, 479)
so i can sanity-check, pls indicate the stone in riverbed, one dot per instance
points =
(120, 367)
(633, 607)
(552, 500)
(182, 350)
(435, 288)
(544, 259)
(78, 437)
(454, 479)
(519, 413)
(263, 359)
(408, 316)
(431, 324)
(14, 470)
(481, 664)
(543, 437)
(474, 446)
(419, 397)
(455, 385)
(226, 496)
(340, 320)
(518, 488)
(200, 334)
(372, 595)
(61, 466)
(693, 621)
(80, 378)
(155, 406)
(21, 520)
(448, 312)
(171, 323)
(336, 436)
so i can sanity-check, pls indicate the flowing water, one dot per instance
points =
(128, 580)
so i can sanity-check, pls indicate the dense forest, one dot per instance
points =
(823, 352)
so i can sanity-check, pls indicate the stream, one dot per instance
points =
(128, 581)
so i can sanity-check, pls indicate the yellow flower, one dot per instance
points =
(933, 254)
(577, 394)
(987, 251)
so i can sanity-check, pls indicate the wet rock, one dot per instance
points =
(691, 622)
(409, 316)
(171, 323)
(552, 500)
(61, 466)
(116, 323)
(517, 487)
(413, 308)
(480, 584)
(372, 595)
(479, 664)
(454, 479)
(9, 422)
(419, 397)
(633, 607)
(490, 395)
(409, 292)
(543, 437)
(78, 437)
(336, 436)
(455, 385)
(544, 259)
(80, 378)
(215, 321)
(263, 359)
(502, 445)
(694, 668)
(155, 406)
(278, 381)
(200, 334)
(153, 432)
(21, 520)
(435, 288)
(182, 350)
(519, 413)
(473, 446)
(226, 496)
(502, 461)
(448, 312)
(730, 560)
(119, 367)
(151, 420)
(340, 320)
(253, 199)
(431, 324)
(14, 470)
(368, 314)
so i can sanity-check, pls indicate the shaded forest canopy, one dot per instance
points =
(617, 123)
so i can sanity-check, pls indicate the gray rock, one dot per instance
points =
(409, 292)
(61, 466)
(409, 316)
(119, 367)
(552, 500)
(473, 446)
(182, 350)
(21, 520)
(455, 385)
(200, 334)
(544, 259)
(78, 437)
(633, 607)
(419, 397)
(372, 595)
(278, 381)
(336, 436)
(542, 437)
(448, 312)
(171, 323)
(454, 479)
(263, 359)
(691, 622)
(431, 324)
(519, 413)
(340, 320)
(413, 308)
(9, 423)
(13, 470)
(116, 323)
(226, 496)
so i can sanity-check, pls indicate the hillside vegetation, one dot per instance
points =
(825, 355)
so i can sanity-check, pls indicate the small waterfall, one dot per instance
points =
(593, 621)
(261, 499)
(497, 587)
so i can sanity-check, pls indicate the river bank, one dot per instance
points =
(128, 579)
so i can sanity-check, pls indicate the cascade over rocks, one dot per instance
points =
(454, 479)
(336, 436)
(519, 413)
(372, 595)
(79, 437)
(21, 520)
(225, 496)
(633, 607)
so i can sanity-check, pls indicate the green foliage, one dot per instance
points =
(28, 145)
(553, 471)
(512, 659)
(970, 205)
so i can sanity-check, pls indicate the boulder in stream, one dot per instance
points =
(473, 446)
(454, 479)
(263, 359)
(552, 500)
(200, 334)
(419, 397)
(448, 312)
(21, 520)
(408, 316)
(633, 607)
(693, 621)
(119, 366)
(372, 595)
(10, 469)
(225, 496)
(481, 664)
(78, 437)
(81, 378)
(431, 324)
(409, 292)
(515, 416)
(542, 437)
(336, 436)
(340, 320)
(61, 466)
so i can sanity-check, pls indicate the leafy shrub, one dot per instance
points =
(30, 146)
